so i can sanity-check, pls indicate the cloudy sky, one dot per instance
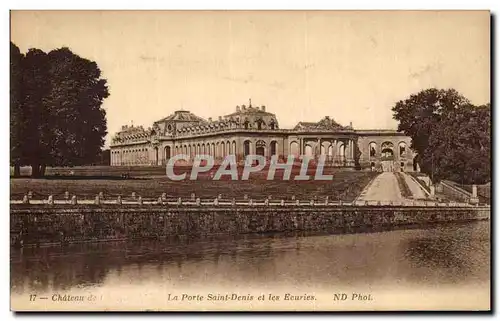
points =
(303, 65)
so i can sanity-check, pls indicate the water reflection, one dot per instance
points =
(454, 255)
(446, 255)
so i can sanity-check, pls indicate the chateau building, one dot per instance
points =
(253, 130)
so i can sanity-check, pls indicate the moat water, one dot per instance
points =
(440, 267)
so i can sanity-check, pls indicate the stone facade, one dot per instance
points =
(253, 130)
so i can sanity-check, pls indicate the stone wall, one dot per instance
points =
(36, 225)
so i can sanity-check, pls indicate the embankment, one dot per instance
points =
(58, 224)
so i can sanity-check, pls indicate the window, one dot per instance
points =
(373, 149)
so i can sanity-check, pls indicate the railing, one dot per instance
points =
(196, 201)
(455, 192)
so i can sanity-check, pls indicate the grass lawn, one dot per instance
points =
(403, 187)
(346, 185)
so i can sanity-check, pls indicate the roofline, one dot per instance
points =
(379, 132)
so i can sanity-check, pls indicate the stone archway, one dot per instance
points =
(308, 150)
(387, 157)
(294, 148)
(341, 153)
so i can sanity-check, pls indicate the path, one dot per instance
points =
(415, 189)
(383, 188)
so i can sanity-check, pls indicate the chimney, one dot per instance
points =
(350, 124)
(210, 119)
(263, 108)
(220, 118)
(237, 109)
(243, 107)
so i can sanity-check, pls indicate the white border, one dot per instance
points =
(492, 5)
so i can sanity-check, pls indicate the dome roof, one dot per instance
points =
(182, 115)
(250, 110)
(326, 123)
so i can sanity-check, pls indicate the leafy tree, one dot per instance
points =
(460, 148)
(421, 113)
(16, 116)
(79, 122)
(56, 114)
(450, 135)
(36, 140)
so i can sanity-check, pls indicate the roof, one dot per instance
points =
(379, 132)
(182, 115)
(250, 110)
(326, 123)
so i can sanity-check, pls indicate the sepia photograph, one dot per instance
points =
(285, 160)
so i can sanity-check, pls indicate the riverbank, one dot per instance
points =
(35, 225)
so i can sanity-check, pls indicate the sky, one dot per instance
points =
(302, 65)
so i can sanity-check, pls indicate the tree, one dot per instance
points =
(450, 135)
(79, 122)
(461, 146)
(36, 140)
(56, 114)
(16, 115)
(420, 114)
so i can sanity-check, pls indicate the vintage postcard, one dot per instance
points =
(250, 161)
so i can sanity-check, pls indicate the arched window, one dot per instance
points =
(260, 147)
(373, 149)
(274, 148)
(402, 149)
(246, 148)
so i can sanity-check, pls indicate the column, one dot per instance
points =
(319, 147)
(350, 151)
(334, 151)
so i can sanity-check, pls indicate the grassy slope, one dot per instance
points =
(403, 187)
(346, 185)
